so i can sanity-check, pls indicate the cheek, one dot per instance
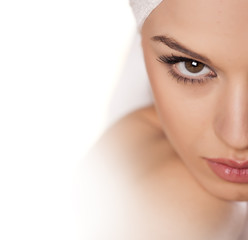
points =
(178, 119)
(186, 111)
(186, 116)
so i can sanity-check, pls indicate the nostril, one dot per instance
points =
(231, 116)
(232, 133)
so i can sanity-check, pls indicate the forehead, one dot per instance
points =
(224, 15)
(206, 25)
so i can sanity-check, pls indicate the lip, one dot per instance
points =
(235, 171)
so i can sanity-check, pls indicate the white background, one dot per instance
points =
(59, 64)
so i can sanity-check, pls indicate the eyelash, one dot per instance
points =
(172, 60)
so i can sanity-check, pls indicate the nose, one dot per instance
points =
(231, 120)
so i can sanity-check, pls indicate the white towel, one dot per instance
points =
(142, 9)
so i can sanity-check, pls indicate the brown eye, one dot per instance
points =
(194, 66)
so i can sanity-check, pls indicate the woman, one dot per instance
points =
(179, 169)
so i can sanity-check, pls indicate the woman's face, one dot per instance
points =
(196, 53)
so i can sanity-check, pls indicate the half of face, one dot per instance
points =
(196, 55)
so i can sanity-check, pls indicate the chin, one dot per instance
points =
(228, 191)
(219, 187)
(235, 196)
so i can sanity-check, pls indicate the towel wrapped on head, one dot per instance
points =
(142, 9)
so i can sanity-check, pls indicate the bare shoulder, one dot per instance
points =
(137, 141)
(144, 191)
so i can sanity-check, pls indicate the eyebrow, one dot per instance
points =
(173, 44)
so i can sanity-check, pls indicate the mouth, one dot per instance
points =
(230, 170)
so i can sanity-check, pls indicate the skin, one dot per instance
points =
(210, 119)
(137, 187)
(145, 175)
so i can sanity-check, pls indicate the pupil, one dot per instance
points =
(194, 66)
